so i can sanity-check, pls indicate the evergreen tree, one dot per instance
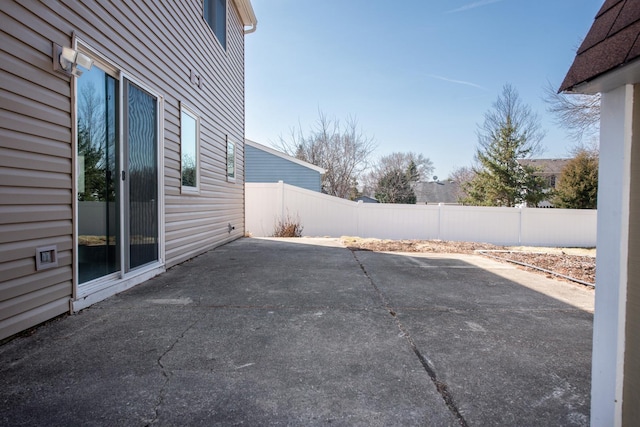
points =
(395, 186)
(413, 175)
(510, 132)
(354, 193)
(578, 184)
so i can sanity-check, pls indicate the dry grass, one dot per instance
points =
(288, 227)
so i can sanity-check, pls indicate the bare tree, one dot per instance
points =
(92, 145)
(421, 170)
(342, 150)
(579, 114)
(90, 115)
(462, 176)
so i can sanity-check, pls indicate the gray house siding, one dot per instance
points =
(262, 166)
(159, 45)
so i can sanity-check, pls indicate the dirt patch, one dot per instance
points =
(576, 263)
(579, 267)
(435, 246)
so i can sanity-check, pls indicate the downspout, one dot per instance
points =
(254, 26)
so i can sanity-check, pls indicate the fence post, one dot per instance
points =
(281, 197)
(520, 225)
(440, 205)
(360, 203)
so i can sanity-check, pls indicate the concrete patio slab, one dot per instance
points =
(305, 332)
(491, 330)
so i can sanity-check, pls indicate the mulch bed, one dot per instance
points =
(582, 268)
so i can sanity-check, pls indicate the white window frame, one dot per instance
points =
(194, 115)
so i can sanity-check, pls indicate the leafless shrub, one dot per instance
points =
(288, 226)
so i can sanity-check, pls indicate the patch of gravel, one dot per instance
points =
(557, 260)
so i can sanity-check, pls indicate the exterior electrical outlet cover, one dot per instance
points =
(46, 257)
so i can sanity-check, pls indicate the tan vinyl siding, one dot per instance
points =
(33, 317)
(35, 176)
(631, 386)
(157, 44)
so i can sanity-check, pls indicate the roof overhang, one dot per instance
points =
(284, 156)
(247, 15)
(628, 73)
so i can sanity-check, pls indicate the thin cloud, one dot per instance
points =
(473, 5)
(460, 82)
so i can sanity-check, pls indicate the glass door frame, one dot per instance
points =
(124, 205)
(124, 278)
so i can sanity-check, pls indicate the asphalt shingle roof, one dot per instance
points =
(437, 192)
(546, 166)
(612, 41)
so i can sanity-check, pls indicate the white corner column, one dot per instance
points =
(612, 261)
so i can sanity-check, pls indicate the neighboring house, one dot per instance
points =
(550, 170)
(366, 199)
(608, 62)
(436, 192)
(121, 131)
(264, 164)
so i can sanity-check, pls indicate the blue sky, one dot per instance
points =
(418, 75)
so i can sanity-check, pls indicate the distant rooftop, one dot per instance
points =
(546, 166)
(612, 41)
(284, 156)
(435, 192)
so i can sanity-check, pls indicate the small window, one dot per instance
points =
(189, 137)
(215, 13)
(231, 160)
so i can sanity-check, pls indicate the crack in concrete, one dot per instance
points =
(166, 374)
(441, 387)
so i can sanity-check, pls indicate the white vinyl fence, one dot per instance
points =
(323, 215)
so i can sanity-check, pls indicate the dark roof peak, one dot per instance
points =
(612, 41)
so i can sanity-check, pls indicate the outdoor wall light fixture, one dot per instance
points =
(67, 60)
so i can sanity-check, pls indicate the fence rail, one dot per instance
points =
(323, 215)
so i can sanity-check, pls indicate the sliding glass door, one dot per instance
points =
(97, 175)
(142, 178)
(117, 176)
